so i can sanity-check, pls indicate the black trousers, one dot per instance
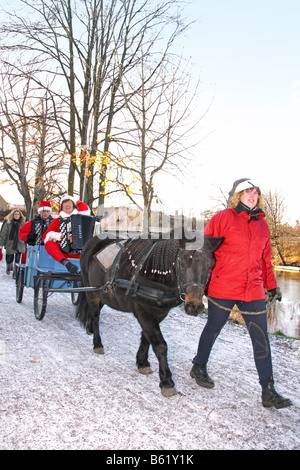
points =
(11, 257)
(257, 328)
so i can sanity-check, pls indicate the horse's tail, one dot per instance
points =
(83, 310)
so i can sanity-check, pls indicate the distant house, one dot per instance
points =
(3, 204)
(131, 220)
(115, 218)
(6, 207)
(17, 206)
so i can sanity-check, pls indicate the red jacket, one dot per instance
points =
(53, 229)
(52, 236)
(243, 260)
(32, 231)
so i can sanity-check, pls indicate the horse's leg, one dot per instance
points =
(93, 325)
(142, 362)
(153, 334)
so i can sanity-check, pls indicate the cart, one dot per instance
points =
(46, 276)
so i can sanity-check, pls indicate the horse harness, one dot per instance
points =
(182, 287)
(145, 294)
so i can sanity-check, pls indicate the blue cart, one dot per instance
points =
(46, 276)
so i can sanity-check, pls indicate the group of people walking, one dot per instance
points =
(241, 275)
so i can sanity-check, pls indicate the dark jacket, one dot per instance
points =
(14, 245)
(34, 229)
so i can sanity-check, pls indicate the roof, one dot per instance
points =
(3, 204)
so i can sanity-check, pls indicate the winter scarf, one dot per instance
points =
(14, 233)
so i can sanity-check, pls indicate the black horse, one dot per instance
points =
(147, 277)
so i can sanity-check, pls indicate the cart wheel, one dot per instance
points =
(40, 298)
(19, 285)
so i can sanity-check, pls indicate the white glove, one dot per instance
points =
(55, 236)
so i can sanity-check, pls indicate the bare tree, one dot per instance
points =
(275, 209)
(29, 149)
(88, 45)
(158, 128)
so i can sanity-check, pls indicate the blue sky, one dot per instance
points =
(247, 54)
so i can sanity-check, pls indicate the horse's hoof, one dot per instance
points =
(145, 370)
(89, 331)
(99, 350)
(168, 392)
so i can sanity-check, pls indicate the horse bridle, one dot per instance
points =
(181, 287)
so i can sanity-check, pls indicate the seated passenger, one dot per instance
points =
(52, 237)
(32, 232)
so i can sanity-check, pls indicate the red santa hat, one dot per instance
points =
(44, 206)
(83, 208)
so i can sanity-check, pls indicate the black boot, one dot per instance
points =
(199, 373)
(271, 398)
(9, 268)
(71, 267)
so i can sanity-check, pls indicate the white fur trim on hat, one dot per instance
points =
(44, 206)
(67, 197)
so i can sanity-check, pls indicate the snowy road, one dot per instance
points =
(56, 394)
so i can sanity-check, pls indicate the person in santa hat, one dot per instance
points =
(52, 237)
(32, 232)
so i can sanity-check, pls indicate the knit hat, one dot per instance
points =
(83, 208)
(247, 184)
(44, 206)
(241, 185)
(67, 197)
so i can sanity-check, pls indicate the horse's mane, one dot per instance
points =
(160, 263)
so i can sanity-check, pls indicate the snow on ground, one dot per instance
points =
(55, 393)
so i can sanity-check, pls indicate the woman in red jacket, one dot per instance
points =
(241, 273)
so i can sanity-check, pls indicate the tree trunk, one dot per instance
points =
(280, 254)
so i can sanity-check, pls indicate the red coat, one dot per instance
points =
(243, 260)
(52, 236)
(29, 232)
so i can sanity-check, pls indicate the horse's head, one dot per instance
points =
(192, 274)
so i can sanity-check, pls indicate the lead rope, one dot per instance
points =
(242, 312)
